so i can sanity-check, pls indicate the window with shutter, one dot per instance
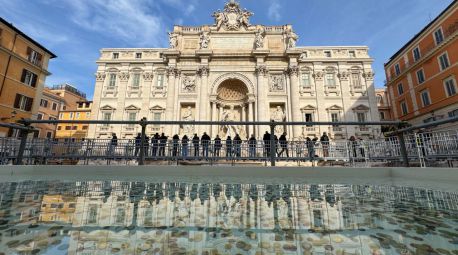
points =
(17, 101)
(29, 103)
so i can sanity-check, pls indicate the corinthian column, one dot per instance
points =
(172, 72)
(204, 103)
(295, 104)
(214, 118)
(261, 72)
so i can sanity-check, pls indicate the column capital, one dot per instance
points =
(203, 71)
(261, 70)
(369, 75)
(173, 71)
(148, 76)
(100, 76)
(293, 70)
(124, 76)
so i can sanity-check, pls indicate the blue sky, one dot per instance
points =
(75, 30)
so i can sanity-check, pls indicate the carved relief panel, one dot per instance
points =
(188, 84)
(277, 83)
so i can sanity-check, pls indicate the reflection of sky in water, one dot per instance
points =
(178, 218)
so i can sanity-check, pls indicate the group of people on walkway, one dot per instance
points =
(159, 146)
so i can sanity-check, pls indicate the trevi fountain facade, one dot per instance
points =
(235, 71)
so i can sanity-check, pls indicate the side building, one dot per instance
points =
(23, 72)
(422, 75)
(75, 131)
(383, 105)
(50, 105)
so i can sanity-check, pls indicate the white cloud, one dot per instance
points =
(128, 20)
(274, 10)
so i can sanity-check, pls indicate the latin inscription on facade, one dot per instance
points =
(230, 42)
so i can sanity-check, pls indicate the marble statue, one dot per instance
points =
(173, 40)
(204, 40)
(292, 38)
(188, 116)
(259, 39)
(245, 17)
(220, 18)
(278, 116)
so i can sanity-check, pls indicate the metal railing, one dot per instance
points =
(400, 148)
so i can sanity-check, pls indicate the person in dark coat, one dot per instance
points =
(325, 143)
(138, 142)
(184, 146)
(353, 145)
(217, 146)
(162, 145)
(237, 145)
(310, 148)
(252, 147)
(155, 143)
(229, 147)
(113, 144)
(266, 140)
(205, 140)
(195, 142)
(283, 145)
(175, 142)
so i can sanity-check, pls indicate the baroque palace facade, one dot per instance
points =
(235, 71)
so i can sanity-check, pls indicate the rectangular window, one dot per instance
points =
(327, 54)
(106, 117)
(361, 116)
(71, 115)
(355, 80)
(330, 80)
(334, 117)
(416, 54)
(443, 61)
(115, 55)
(44, 103)
(305, 80)
(382, 116)
(61, 116)
(77, 116)
(85, 127)
(132, 116)
(112, 82)
(49, 135)
(88, 115)
(136, 81)
(68, 127)
(33, 56)
(438, 36)
(453, 113)
(450, 87)
(74, 127)
(397, 69)
(425, 98)
(308, 118)
(420, 76)
(29, 78)
(157, 117)
(23, 103)
(160, 81)
(404, 108)
(59, 128)
(39, 116)
(400, 89)
(138, 55)
(352, 54)
(54, 106)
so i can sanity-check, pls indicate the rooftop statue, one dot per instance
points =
(233, 17)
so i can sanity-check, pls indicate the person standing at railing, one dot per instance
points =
(353, 145)
(195, 143)
(162, 144)
(325, 144)
(266, 140)
(217, 146)
(252, 147)
(228, 147)
(310, 148)
(138, 142)
(155, 143)
(184, 146)
(237, 145)
(113, 144)
(176, 141)
(146, 146)
(205, 144)
(361, 148)
(283, 145)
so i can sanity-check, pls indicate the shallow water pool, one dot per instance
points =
(112, 217)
